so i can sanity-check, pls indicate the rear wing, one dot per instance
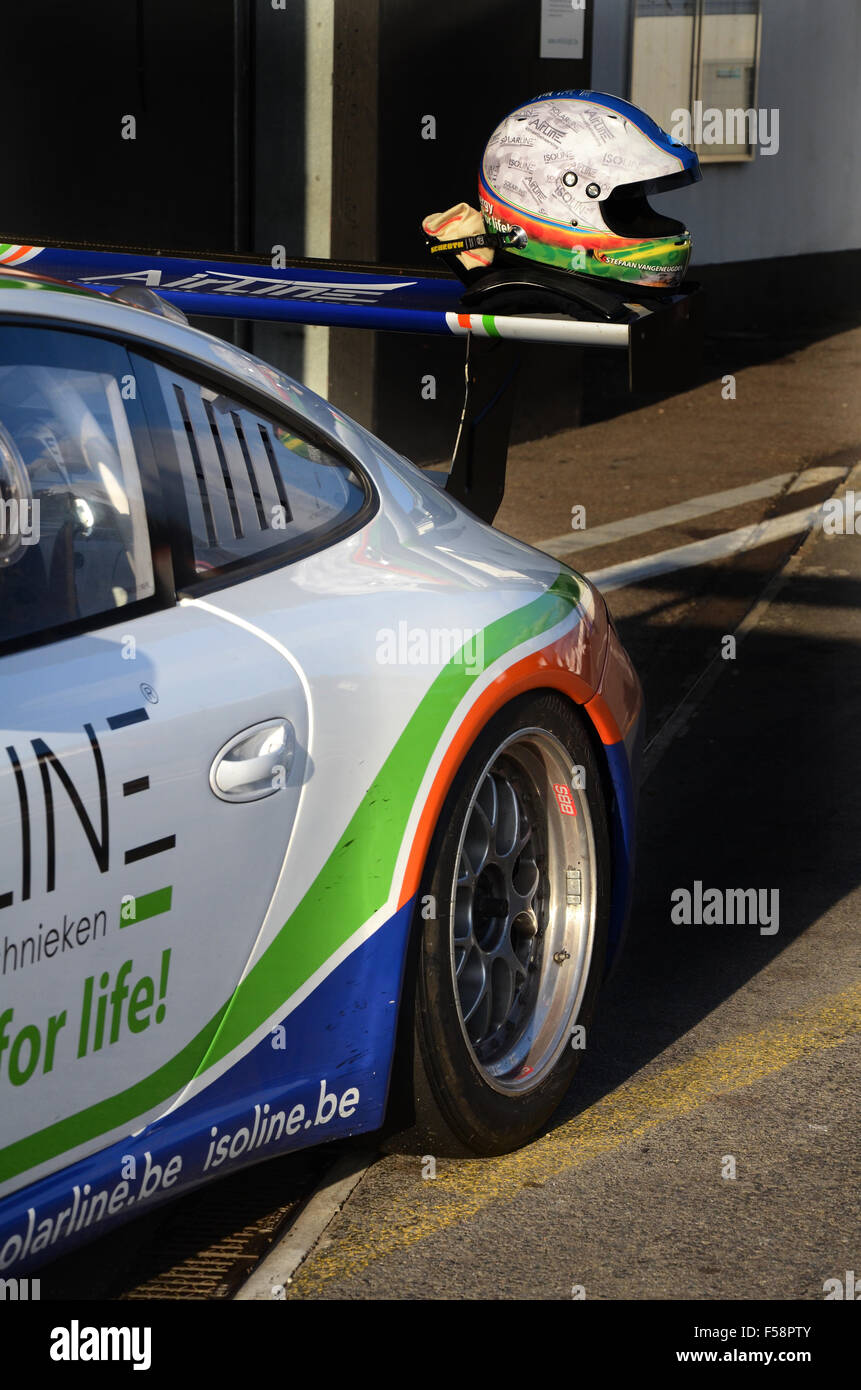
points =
(660, 336)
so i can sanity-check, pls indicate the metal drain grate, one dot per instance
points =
(208, 1249)
(202, 1247)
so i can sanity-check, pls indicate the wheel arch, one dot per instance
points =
(599, 725)
(608, 744)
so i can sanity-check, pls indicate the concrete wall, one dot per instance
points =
(804, 200)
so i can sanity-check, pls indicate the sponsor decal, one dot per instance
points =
(267, 1128)
(564, 799)
(54, 776)
(598, 127)
(141, 1177)
(546, 130)
(11, 254)
(260, 286)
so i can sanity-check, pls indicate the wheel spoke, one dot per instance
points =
(508, 957)
(503, 987)
(508, 822)
(487, 803)
(481, 995)
(479, 838)
(464, 939)
(525, 883)
(465, 950)
(524, 836)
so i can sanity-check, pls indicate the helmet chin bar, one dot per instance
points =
(634, 216)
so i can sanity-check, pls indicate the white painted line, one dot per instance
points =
(815, 477)
(701, 552)
(269, 1280)
(628, 526)
(678, 721)
(694, 507)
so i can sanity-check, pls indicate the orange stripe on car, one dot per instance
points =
(549, 668)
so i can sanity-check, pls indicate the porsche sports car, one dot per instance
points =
(309, 780)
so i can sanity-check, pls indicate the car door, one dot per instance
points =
(151, 765)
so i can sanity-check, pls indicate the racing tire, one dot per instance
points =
(511, 924)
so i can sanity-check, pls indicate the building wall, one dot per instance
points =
(804, 200)
(466, 65)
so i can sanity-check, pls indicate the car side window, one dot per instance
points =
(251, 484)
(74, 541)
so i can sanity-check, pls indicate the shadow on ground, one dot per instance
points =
(761, 792)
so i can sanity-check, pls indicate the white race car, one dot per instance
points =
(303, 768)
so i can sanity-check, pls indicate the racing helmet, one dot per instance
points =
(563, 182)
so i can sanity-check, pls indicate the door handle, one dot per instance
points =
(254, 763)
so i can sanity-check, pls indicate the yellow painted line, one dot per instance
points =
(464, 1188)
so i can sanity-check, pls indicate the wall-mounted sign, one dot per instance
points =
(563, 23)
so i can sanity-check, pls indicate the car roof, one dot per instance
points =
(12, 278)
(79, 305)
